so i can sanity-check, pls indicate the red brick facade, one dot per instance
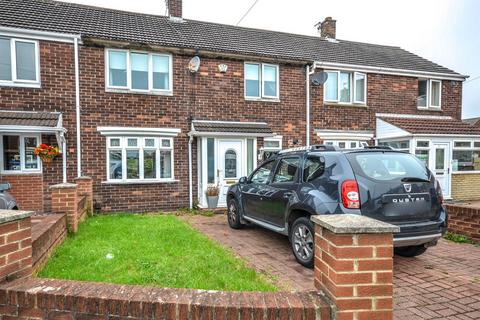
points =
(27, 190)
(208, 95)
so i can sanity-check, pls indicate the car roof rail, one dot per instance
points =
(378, 147)
(316, 147)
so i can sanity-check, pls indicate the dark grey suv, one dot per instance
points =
(381, 183)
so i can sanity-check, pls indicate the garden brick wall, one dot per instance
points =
(47, 299)
(465, 186)
(48, 232)
(464, 220)
(27, 190)
(16, 247)
(207, 95)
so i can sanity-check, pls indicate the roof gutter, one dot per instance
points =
(391, 71)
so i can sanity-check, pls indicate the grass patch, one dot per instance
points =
(457, 238)
(150, 250)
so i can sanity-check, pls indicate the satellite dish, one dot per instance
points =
(319, 78)
(194, 64)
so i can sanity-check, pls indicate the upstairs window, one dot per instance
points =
(345, 87)
(138, 71)
(261, 81)
(19, 62)
(429, 94)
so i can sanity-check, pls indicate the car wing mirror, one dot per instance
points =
(243, 180)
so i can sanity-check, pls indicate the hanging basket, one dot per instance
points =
(47, 153)
(46, 160)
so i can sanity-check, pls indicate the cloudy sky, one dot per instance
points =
(444, 31)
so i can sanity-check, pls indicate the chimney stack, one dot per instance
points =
(327, 28)
(174, 8)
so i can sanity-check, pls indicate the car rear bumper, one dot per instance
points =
(430, 239)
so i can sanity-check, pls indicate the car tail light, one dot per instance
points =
(440, 194)
(350, 194)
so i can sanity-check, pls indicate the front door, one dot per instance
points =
(230, 166)
(441, 165)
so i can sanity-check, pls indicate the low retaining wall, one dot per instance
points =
(464, 220)
(48, 232)
(46, 299)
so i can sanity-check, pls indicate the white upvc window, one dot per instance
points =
(345, 87)
(466, 155)
(346, 144)
(19, 62)
(422, 151)
(138, 71)
(136, 159)
(17, 153)
(261, 80)
(429, 94)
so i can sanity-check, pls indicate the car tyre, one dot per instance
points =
(411, 251)
(302, 234)
(233, 214)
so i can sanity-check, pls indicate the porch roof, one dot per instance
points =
(30, 121)
(431, 126)
(230, 128)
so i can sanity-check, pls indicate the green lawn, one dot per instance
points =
(150, 250)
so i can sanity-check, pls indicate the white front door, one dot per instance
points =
(441, 165)
(230, 165)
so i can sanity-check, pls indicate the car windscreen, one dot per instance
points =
(388, 166)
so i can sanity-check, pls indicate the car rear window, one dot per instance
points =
(387, 166)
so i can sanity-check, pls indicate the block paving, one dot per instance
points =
(444, 283)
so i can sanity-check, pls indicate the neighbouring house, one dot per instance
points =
(156, 108)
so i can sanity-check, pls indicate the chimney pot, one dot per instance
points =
(174, 8)
(327, 28)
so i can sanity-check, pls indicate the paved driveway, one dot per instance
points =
(444, 283)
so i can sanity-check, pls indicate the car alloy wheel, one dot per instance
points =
(303, 242)
(232, 213)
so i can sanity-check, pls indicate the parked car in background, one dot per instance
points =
(378, 182)
(7, 201)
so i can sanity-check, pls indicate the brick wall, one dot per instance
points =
(354, 265)
(464, 186)
(207, 95)
(61, 299)
(385, 94)
(464, 220)
(57, 93)
(15, 245)
(48, 232)
(27, 190)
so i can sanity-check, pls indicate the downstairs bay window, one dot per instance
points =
(132, 159)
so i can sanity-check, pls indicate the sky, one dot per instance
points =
(444, 31)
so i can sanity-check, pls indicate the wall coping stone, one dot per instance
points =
(353, 224)
(12, 215)
(63, 186)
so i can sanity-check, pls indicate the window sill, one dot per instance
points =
(354, 105)
(275, 100)
(140, 182)
(20, 85)
(429, 109)
(20, 173)
(150, 93)
(466, 172)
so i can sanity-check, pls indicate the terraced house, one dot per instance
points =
(156, 108)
